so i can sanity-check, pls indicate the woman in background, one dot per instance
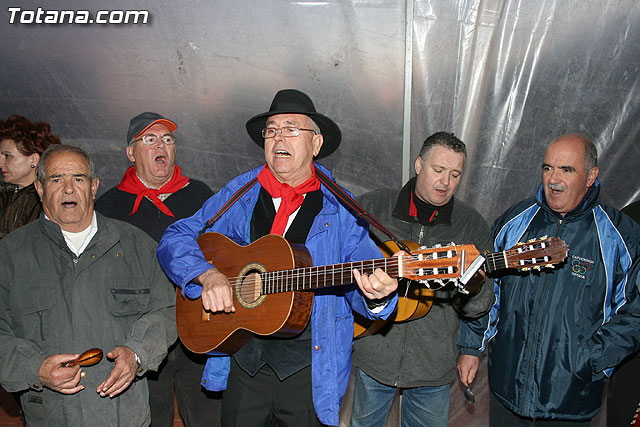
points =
(21, 143)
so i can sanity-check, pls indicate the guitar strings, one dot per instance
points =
(277, 281)
(289, 280)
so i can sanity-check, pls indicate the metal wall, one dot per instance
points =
(507, 76)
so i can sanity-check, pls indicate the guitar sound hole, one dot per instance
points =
(248, 291)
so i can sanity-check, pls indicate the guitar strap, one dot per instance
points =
(354, 206)
(241, 192)
(342, 196)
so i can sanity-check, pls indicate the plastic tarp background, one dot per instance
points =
(506, 76)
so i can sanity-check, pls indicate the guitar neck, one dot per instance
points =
(426, 264)
(495, 261)
(533, 254)
(324, 276)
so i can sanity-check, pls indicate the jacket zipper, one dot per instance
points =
(404, 339)
(535, 343)
(402, 352)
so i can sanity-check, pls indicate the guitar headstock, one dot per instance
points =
(536, 254)
(438, 263)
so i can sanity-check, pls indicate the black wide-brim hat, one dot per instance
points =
(292, 101)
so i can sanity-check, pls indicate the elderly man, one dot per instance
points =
(273, 381)
(75, 280)
(152, 195)
(556, 335)
(403, 356)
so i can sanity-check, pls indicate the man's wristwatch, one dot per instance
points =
(139, 370)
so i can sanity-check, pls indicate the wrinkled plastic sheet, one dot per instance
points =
(505, 76)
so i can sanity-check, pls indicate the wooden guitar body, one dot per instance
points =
(280, 314)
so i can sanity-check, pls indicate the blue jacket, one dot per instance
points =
(556, 334)
(335, 237)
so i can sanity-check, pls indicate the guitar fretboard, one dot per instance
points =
(324, 276)
(495, 261)
(523, 256)
(429, 264)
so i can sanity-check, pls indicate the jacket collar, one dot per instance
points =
(589, 201)
(106, 235)
(405, 209)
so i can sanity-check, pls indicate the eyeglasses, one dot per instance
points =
(152, 139)
(287, 132)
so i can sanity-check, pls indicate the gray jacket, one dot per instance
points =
(422, 352)
(52, 302)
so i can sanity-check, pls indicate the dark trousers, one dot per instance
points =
(264, 400)
(624, 393)
(500, 416)
(182, 370)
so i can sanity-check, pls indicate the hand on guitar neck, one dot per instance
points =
(217, 294)
(375, 286)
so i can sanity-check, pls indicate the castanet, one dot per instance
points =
(88, 358)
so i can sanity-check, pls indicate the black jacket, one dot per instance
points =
(555, 335)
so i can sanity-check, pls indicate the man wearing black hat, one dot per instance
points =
(301, 380)
(152, 195)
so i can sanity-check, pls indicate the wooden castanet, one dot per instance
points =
(88, 358)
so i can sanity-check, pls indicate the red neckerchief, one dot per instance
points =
(291, 196)
(131, 184)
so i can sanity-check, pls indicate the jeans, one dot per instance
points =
(421, 406)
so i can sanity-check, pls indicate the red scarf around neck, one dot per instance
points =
(291, 196)
(131, 184)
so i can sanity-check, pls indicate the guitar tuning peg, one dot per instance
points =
(537, 267)
(526, 269)
(549, 266)
(531, 240)
(519, 244)
(544, 237)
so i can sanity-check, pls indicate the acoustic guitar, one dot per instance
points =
(415, 301)
(270, 277)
